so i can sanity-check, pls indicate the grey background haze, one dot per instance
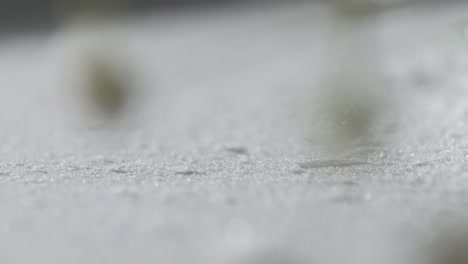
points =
(21, 15)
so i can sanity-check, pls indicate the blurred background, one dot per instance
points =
(31, 14)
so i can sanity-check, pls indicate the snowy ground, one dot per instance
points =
(215, 165)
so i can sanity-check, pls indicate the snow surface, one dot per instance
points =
(214, 162)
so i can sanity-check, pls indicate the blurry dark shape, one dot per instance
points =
(351, 95)
(350, 112)
(94, 55)
(107, 88)
(451, 246)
